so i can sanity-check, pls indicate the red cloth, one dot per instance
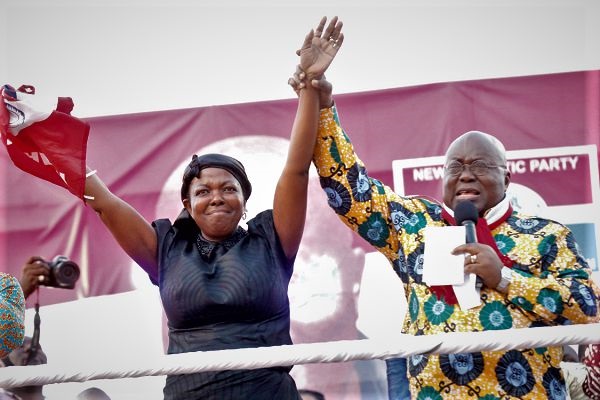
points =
(52, 148)
(484, 236)
(591, 359)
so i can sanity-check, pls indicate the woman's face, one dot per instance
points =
(216, 202)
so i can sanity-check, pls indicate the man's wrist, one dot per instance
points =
(327, 104)
(505, 280)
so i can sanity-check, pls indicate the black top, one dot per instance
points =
(227, 295)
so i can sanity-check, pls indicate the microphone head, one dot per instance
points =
(465, 211)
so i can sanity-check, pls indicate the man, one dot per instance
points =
(531, 270)
(12, 314)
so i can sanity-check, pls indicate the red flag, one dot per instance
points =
(49, 144)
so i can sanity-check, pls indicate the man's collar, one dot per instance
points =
(491, 215)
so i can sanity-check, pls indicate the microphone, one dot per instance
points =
(466, 215)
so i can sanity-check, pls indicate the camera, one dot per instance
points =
(64, 273)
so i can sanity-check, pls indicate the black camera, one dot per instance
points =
(64, 273)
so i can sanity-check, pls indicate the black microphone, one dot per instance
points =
(466, 215)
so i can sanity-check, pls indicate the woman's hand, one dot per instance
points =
(320, 47)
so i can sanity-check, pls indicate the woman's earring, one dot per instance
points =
(244, 216)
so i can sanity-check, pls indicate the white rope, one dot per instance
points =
(327, 352)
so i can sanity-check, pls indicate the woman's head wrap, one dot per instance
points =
(230, 164)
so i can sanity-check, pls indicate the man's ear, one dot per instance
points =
(506, 179)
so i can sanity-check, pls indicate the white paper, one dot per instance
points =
(440, 267)
(467, 294)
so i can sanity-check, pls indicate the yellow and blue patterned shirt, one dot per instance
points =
(12, 314)
(551, 282)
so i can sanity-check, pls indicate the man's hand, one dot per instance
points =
(298, 82)
(34, 272)
(481, 260)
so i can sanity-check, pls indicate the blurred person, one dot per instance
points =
(574, 372)
(22, 356)
(92, 393)
(307, 394)
(12, 314)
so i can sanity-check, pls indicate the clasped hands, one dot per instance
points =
(316, 54)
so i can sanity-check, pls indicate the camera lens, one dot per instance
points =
(64, 273)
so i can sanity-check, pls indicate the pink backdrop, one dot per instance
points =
(135, 153)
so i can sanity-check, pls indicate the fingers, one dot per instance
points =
(333, 32)
(36, 266)
(36, 271)
(469, 248)
(297, 86)
(337, 29)
(296, 81)
(330, 31)
(33, 259)
(307, 40)
(339, 41)
(299, 74)
(321, 84)
(319, 29)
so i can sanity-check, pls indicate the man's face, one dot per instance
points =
(485, 189)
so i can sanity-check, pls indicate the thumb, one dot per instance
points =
(321, 84)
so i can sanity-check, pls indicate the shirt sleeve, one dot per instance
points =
(563, 291)
(363, 203)
(12, 314)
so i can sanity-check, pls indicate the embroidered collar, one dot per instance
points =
(208, 249)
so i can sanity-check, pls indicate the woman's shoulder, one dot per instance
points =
(7, 281)
(261, 221)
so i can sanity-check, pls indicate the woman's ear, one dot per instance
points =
(186, 204)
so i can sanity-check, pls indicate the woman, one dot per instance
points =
(221, 286)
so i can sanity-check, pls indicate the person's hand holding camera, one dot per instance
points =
(60, 272)
(34, 272)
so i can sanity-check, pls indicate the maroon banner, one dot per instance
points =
(136, 153)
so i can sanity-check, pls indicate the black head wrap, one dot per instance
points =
(230, 164)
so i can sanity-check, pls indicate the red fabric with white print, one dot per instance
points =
(591, 359)
(49, 144)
